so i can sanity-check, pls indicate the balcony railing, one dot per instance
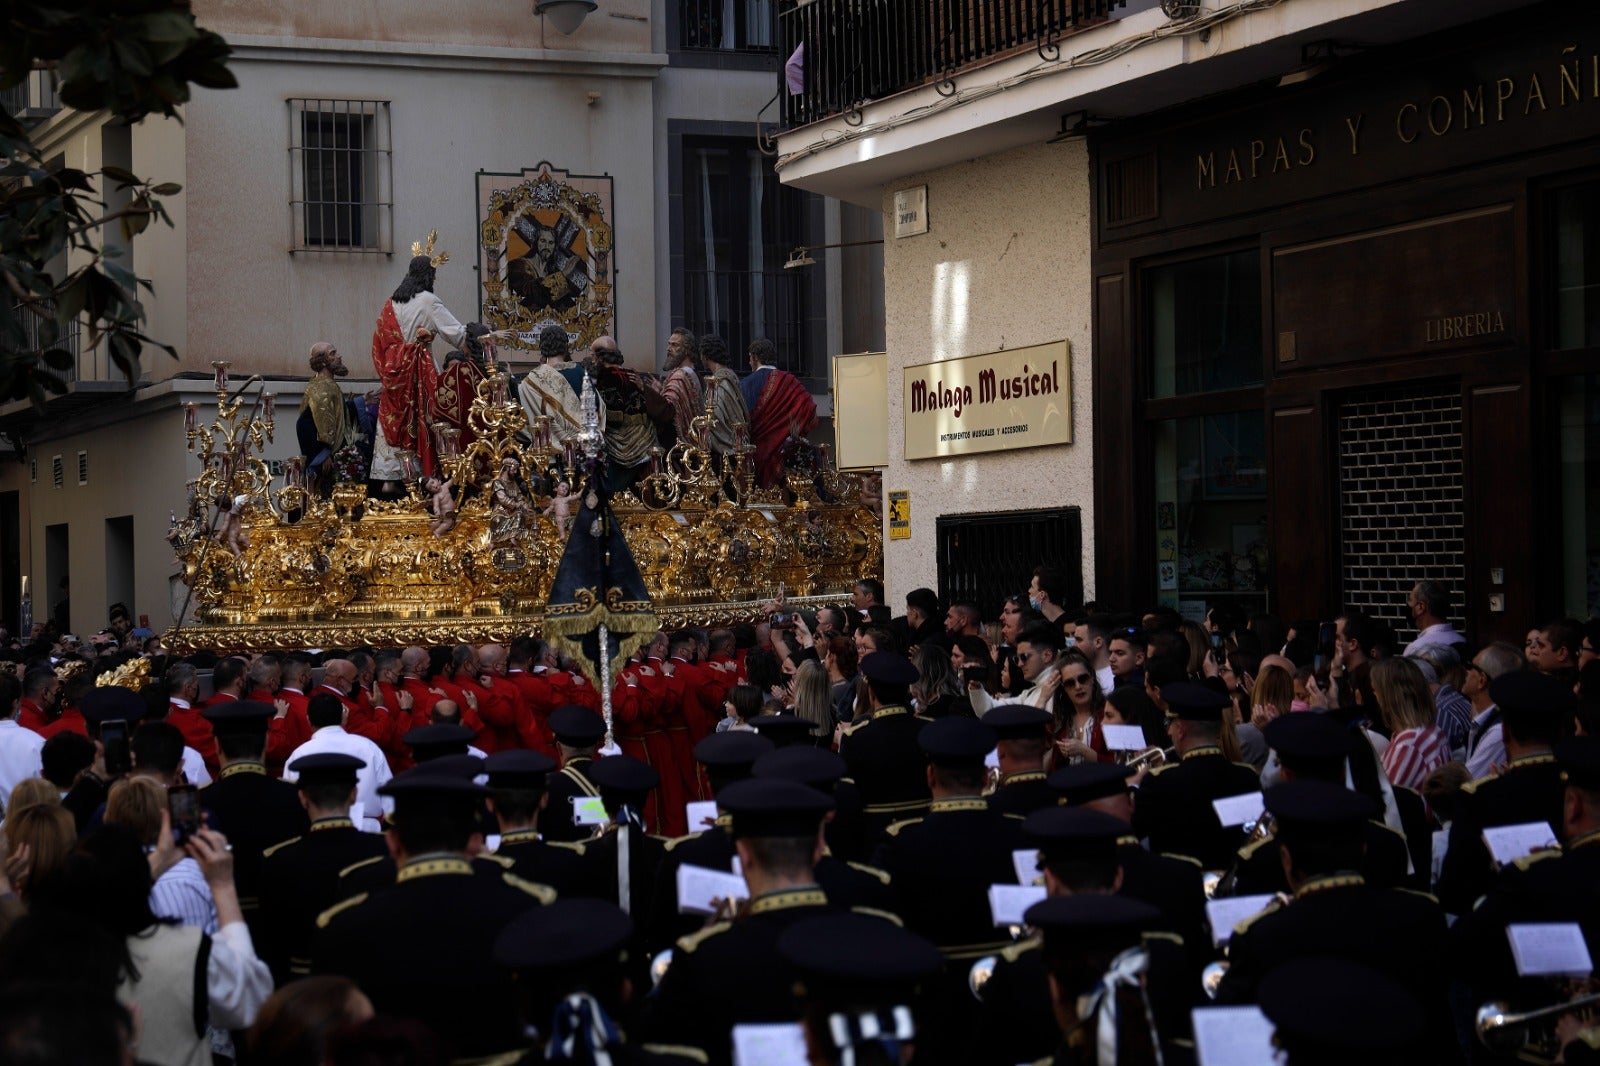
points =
(860, 50)
(90, 364)
(33, 99)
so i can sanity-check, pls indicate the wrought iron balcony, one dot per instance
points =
(33, 99)
(852, 51)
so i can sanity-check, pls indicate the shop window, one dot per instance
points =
(1211, 512)
(1205, 324)
(1577, 266)
(1578, 418)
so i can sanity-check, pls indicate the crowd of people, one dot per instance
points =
(857, 835)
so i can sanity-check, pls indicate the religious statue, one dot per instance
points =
(329, 421)
(553, 387)
(402, 354)
(729, 408)
(510, 510)
(636, 412)
(682, 386)
(458, 382)
(441, 504)
(781, 411)
(230, 534)
(560, 509)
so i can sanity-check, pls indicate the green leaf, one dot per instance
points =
(137, 218)
(126, 177)
(166, 188)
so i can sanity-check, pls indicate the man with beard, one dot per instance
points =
(328, 420)
(729, 399)
(548, 277)
(634, 410)
(682, 386)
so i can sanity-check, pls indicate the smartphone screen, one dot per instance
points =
(1325, 635)
(183, 801)
(114, 737)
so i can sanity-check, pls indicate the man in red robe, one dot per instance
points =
(780, 408)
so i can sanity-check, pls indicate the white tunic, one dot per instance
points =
(370, 806)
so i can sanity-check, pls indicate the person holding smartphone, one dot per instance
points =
(115, 711)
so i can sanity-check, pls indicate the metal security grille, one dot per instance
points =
(340, 172)
(728, 25)
(987, 557)
(1400, 491)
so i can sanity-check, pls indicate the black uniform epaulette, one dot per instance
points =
(542, 893)
(1190, 859)
(677, 1051)
(1170, 937)
(871, 871)
(873, 912)
(338, 908)
(894, 829)
(1472, 786)
(499, 859)
(694, 940)
(1527, 861)
(675, 841)
(1020, 948)
(348, 870)
(1163, 768)
(1429, 896)
(570, 845)
(280, 845)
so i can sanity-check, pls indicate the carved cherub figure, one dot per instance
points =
(441, 503)
(560, 509)
(230, 534)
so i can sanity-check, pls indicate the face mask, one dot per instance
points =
(1033, 601)
(1072, 642)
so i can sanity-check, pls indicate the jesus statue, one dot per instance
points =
(402, 354)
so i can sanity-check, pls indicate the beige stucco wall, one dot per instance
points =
(138, 465)
(251, 301)
(619, 26)
(1004, 264)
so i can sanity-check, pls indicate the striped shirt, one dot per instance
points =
(1413, 754)
(182, 895)
(1453, 717)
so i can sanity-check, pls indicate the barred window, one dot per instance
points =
(341, 175)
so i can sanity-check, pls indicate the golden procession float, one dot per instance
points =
(280, 567)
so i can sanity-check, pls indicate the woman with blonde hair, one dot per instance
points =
(41, 836)
(813, 699)
(1405, 703)
(32, 792)
(1273, 695)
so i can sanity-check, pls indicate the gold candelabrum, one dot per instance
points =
(476, 564)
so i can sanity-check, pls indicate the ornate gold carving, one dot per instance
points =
(355, 571)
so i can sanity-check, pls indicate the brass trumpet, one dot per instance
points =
(1503, 1032)
(1152, 757)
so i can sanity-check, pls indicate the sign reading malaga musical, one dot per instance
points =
(1020, 398)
